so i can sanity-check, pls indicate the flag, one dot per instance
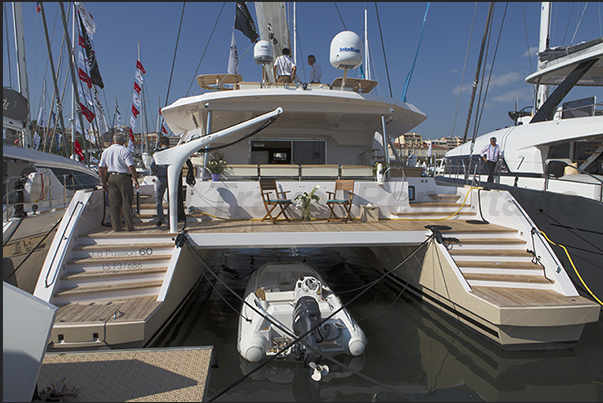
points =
(135, 111)
(131, 146)
(87, 113)
(131, 134)
(138, 76)
(119, 118)
(77, 149)
(36, 141)
(136, 100)
(78, 128)
(163, 130)
(84, 77)
(429, 150)
(81, 61)
(86, 18)
(92, 64)
(233, 58)
(136, 87)
(84, 95)
(139, 66)
(244, 22)
(82, 42)
(38, 7)
(100, 113)
(58, 136)
(42, 118)
(132, 122)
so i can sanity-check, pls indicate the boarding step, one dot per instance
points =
(153, 286)
(489, 252)
(491, 241)
(508, 281)
(437, 204)
(444, 196)
(125, 262)
(122, 250)
(110, 274)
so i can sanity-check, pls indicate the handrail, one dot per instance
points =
(62, 238)
(533, 231)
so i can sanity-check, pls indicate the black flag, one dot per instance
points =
(244, 22)
(95, 76)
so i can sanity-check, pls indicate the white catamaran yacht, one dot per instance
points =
(553, 159)
(119, 289)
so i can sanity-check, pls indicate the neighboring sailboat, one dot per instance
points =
(553, 159)
(38, 186)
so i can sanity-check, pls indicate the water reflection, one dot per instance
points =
(413, 353)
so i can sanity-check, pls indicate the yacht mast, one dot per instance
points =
(542, 91)
(367, 68)
(22, 83)
(294, 35)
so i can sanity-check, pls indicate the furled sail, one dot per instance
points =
(272, 19)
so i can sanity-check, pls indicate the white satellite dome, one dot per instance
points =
(262, 52)
(346, 50)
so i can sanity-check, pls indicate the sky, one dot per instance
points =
(179, 41)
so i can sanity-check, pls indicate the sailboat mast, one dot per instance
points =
(22, 83)
(367, 68)
(542, 91)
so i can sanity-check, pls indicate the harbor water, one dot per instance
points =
(414, 352)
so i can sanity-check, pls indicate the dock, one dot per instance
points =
(177, 374)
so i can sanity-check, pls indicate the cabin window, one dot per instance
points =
(296, 151)
(75, 180)
(559, 151)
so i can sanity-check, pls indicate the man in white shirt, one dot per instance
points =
(117, 170)
(490, 154)
(316, 71)
(284, 68)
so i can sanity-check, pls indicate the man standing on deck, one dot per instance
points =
(284, 68)
(161, 182)
(490, 154)
(117, 171)
(316, 71)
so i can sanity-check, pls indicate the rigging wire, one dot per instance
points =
(175, 50)
(525, 25)
(10, 75)
(502, 23)
(342, 23)
(579, 22)
(463, 75)
(204, 50)
(568, 22)
(384, 54)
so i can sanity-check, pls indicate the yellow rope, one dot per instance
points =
(445, 218)
(572, 262)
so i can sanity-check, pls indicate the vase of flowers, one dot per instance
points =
(216, 165)
(304, 202)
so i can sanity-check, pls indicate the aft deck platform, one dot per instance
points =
(316, 233)
(143, 375)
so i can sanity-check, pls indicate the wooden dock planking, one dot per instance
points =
(521, 297)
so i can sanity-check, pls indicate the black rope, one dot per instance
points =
(174, 59)
(343, 23)
(298, 339)
(204, 50)
(384, 54)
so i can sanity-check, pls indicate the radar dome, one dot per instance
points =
(346, 50)
(262, 52)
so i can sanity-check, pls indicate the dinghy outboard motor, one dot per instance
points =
(306, 315)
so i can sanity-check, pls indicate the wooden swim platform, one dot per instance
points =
(178, 374)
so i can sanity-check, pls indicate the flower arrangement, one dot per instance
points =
(215, 163)
(304, 201)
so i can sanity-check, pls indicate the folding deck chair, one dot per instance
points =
(272, 201)
(341, 187)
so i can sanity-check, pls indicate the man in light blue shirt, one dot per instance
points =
(316, 71)
(490, 154)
